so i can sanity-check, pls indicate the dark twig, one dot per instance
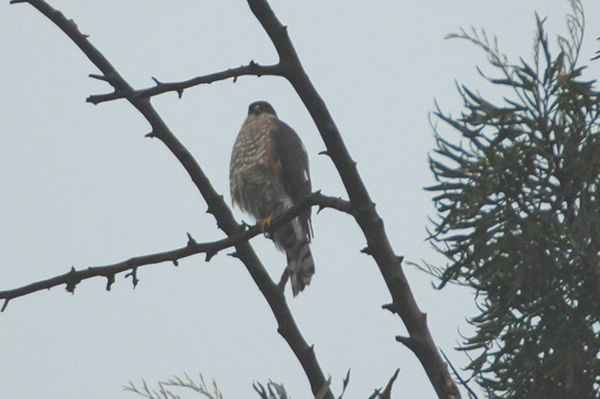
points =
(387, 392)
(252, 69)
(366, 216)
(74, 277)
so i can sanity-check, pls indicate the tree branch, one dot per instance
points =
(216, 205)
(251, 69)
(363, 208)
(366, 216)
(74, 277)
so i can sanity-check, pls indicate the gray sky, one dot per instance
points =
(81, 186)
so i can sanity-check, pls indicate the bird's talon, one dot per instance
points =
(245, 225)
(264, 223)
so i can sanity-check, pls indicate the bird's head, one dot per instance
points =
(260, 107)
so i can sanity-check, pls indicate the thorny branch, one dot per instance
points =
(419, 338)
(287, 327)
(74, 277)
(252, 69)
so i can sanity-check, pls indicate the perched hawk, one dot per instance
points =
(268, 175)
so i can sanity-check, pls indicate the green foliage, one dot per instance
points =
(519, 203)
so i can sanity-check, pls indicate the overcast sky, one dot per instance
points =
(81, 186)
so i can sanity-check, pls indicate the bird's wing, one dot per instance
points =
(290, 152)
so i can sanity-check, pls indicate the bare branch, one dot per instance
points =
(366, 216)
(362, 207)
(216, 205)
(252, 68)
(74, 277)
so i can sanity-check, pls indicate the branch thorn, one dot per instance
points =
(209, 254)
(71, 284)
(110, 280)
(133, 274)
(407, 341)
(98, 77)
(415, 344)
(191, 240)
(391, 307)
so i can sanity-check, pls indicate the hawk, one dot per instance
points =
(269, 174)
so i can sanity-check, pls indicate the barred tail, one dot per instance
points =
(293, 239)
(301, 266)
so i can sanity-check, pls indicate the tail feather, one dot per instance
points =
(301, 266)
(294, 240)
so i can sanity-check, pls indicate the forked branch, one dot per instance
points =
(216, 205)
(74, 277)
(378, 244)
(362, 207)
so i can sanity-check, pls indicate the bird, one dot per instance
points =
(268, 174)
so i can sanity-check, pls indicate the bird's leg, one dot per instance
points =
(264, 224)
